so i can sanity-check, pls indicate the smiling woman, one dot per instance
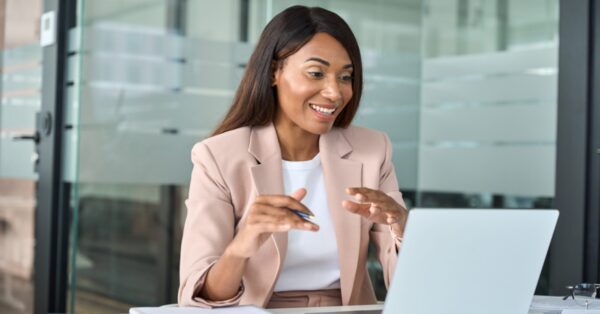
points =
(286, 151)
(313, 85)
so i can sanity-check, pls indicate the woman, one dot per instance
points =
(286, 151)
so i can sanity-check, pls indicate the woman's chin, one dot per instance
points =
(320, 128)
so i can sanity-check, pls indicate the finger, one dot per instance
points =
(356, 208)
(299, 194)
(266, 209)
(363, 190)
(377, 209)
(283, 201)
(268, 224)
(365, 194)
(281, 216)
(273, 212)
(374, 209)
(385, 208)
(267, 227)
(390, 215)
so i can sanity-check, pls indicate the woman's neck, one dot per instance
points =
(297, 144)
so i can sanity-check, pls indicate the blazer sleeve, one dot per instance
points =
(209, 228)
(381, 237)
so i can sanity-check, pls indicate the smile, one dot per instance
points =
(323, 110)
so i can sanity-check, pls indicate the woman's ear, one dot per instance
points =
(274, 72)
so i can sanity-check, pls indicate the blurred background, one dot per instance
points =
(467, 90)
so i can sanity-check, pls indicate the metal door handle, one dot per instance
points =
(25, 137)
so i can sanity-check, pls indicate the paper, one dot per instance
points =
(196, 310)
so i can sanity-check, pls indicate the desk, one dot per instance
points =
(540, 305)
(361, 307)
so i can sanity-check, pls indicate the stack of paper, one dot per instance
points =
(196, 310)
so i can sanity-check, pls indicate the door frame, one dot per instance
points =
(52, 209)
(574, 249)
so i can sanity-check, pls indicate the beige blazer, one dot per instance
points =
(232, 168)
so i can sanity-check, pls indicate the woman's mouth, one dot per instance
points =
(323, 110)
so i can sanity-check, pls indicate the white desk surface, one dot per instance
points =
(540, 305)
(304, 310)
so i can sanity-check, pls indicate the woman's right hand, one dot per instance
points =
(268, 214)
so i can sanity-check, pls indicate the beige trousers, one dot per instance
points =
(312, 298)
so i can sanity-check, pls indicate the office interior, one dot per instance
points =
(488, 103)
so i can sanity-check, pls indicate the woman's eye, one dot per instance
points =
(316, 74)
(346, 78)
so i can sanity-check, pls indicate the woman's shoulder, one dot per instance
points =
(229, 143)
(362, 136)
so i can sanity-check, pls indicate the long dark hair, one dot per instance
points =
(255, 101)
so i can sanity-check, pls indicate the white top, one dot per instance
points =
(311, 261)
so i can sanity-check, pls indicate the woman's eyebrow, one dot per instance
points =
(349, 65)
(318, 60)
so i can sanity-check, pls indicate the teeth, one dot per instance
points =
(321, 109)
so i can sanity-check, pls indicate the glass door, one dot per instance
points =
(149, 79)
(20, 61)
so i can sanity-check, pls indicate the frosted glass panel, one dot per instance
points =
(140, 109)
(21, 100)
(511, 170)
(502, 102)
(495, 124)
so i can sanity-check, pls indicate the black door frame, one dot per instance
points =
(52, 210)
(592, 257)
(574, 250)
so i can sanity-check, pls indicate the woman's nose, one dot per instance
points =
(331, 90)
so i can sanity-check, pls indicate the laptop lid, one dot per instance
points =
(470, 261)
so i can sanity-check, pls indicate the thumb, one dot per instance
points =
(299, 194)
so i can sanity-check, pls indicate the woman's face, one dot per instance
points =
(314, 85)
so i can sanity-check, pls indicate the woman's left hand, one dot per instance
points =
(377, 207)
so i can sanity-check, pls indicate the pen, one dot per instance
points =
(302, 214)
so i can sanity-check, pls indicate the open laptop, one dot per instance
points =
(469, 261)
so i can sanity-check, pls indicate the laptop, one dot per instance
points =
(469, 261)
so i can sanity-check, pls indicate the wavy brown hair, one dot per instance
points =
(255, 101)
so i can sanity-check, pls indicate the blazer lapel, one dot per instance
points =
(339, 174)
(268, 179)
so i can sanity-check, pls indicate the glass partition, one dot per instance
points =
(20, 63)
(488, 105)
(466, 90)
(145, 87)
